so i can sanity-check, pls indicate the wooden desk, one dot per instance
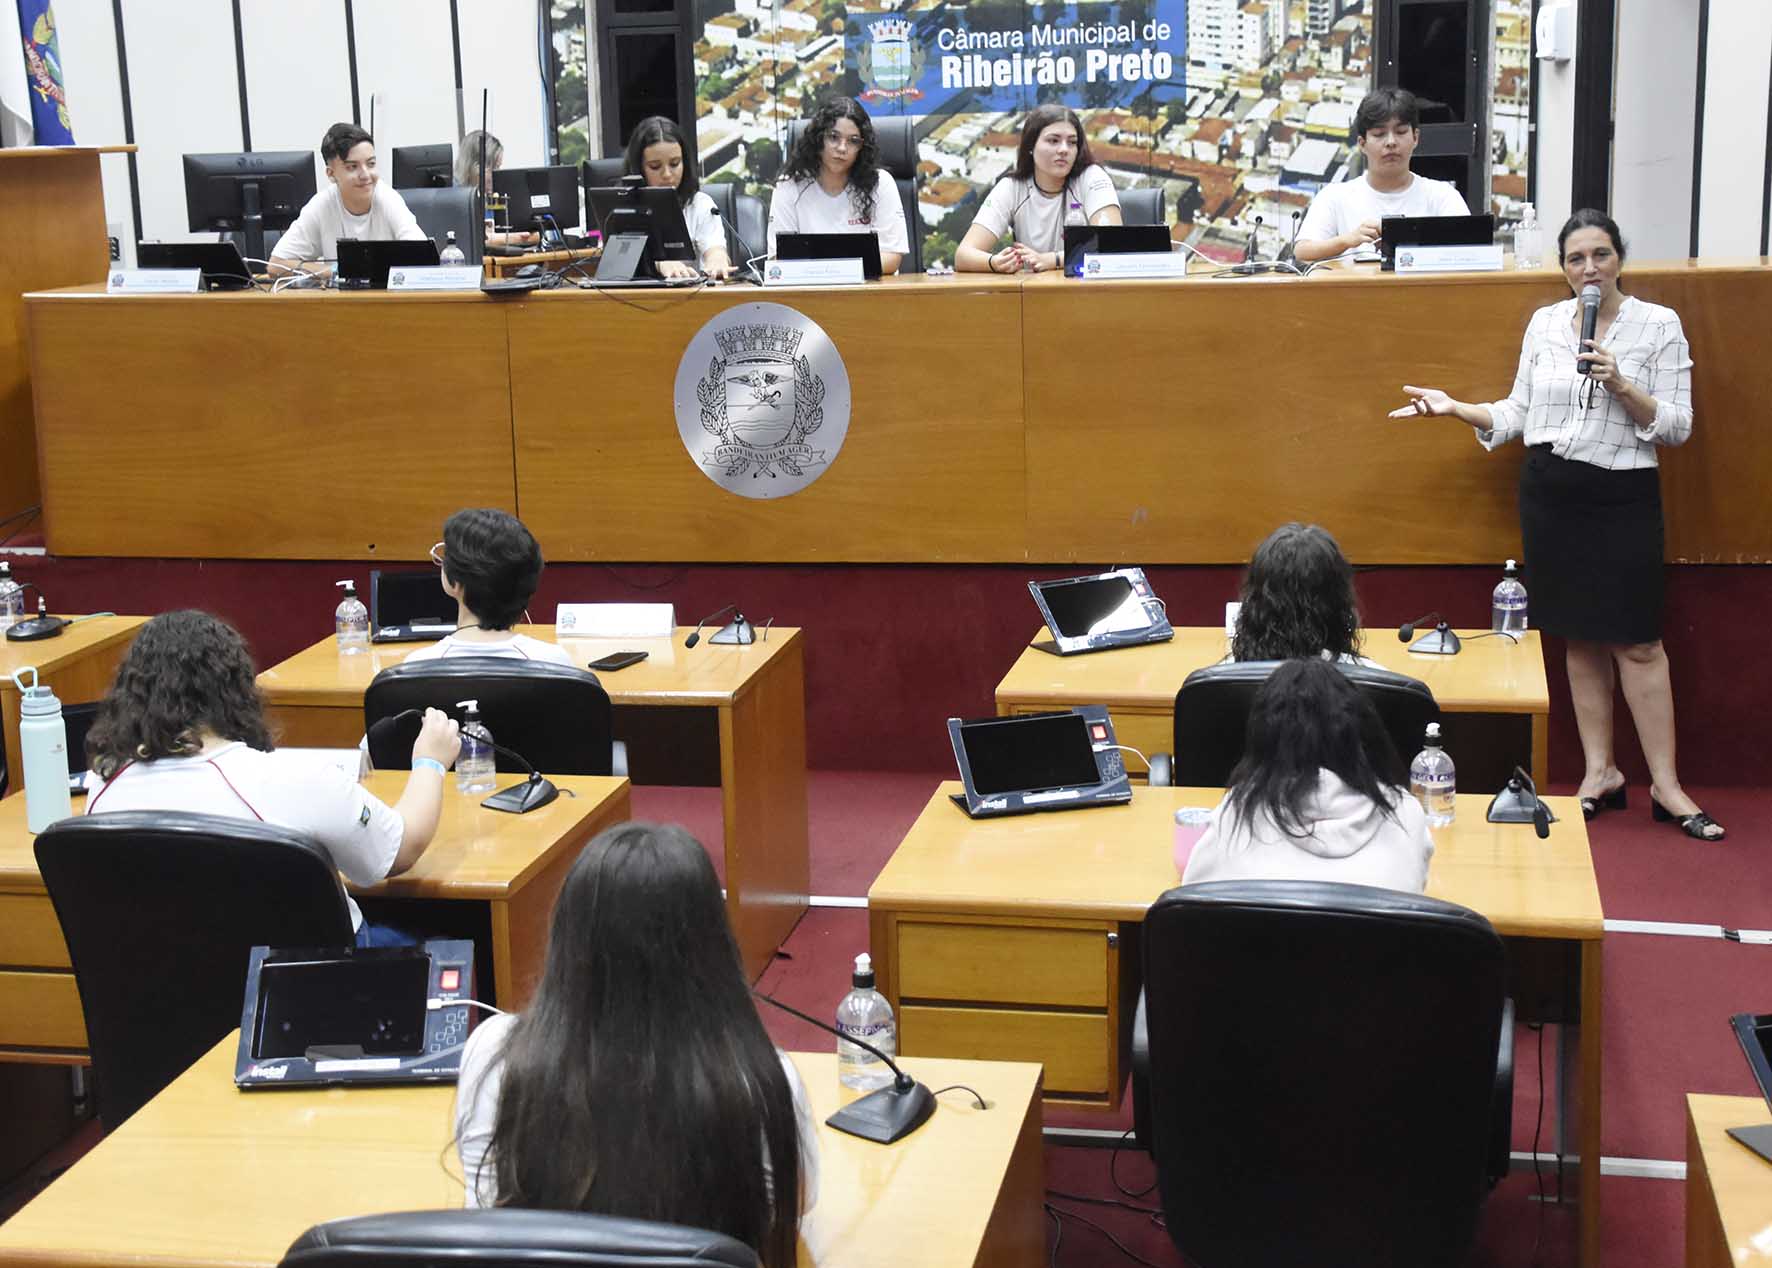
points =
(79, 664)
(1021, 936)
(1490, 676)
(503, 870)
(208, 1177)
(507, 265)
(711, 714)
(1728, 1186)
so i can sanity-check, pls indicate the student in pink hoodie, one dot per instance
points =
(1320, 794)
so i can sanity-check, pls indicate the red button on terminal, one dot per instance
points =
(449, 980)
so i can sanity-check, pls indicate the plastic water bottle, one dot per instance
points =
(351, 620)
(12, 598)
(1507, 608)
(475, 771)
(865, 1014)
(1433, 779)
(43, 738)
(1528, 240)
(451, 254)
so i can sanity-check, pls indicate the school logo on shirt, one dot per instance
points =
(762, 400)
(889, 62)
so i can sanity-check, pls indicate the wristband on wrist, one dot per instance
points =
(428, 763)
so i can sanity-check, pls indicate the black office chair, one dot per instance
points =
(744, 218)
(603, 173)
(1142, 206)
(557, 716)
(897, 137)
(507, 1237)
(440, 210)
(1323, 1073)
(1212, 717)
(160, 910)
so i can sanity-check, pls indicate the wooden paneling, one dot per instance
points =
(267, 427)
(78, 663)
(931, 468)
(1002, 964)
(42, 1011)
(1074, 1047)
(30, 935)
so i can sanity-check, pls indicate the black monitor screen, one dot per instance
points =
(219, 187)
(411, 598)
(1096, 605)
(545, 196)
(423, 167)
(1049, 750)
(652, 210)
(376, 1003)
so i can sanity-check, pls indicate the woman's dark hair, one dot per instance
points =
(496, 562)
(1039, 119)
(1381, 105)
(655, 130)
(639, 1081)
(1298, 598)
(341, 139)
(186, 673)
(808, 156)
(1309, 717)
(1591, 218)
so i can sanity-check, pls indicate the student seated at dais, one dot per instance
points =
(655, 154)
(490, 566)
(1056, 182)
(1348, 216)
(833, 183)
(183, 728)
(354, 204)
(468, 173)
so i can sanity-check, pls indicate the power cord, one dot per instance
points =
(961, 1087)
(1127, 748)
(1121, 1246)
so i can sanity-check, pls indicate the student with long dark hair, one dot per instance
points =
(490, 565)
(1320, 793)
(833, 183)
(1056, 182)
(1298, 600)
(657, 152)
(640, 1082)
(183, 728)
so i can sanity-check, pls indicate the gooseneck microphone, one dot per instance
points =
(736, 631)
(518, 799)
(1440, 642)
(1407, 631)
(749, 271)
(1590, 320)
(884, 1116)
(1290, 253)
(1519, 803)
(695, 638)
(1249, 248)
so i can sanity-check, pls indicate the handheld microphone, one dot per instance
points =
(1590, 320)
(738, 630)
(518, 799)
(1510, 805)
(883, 1116)
(1441, 642)
(749, 271)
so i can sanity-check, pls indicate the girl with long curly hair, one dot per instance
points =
(833, 183)
(1298, 600)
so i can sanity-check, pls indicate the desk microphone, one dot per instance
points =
(738, 630)
(518, 799)
(42, 625)
(1249, 249)
(884, 1116)
(1289, 254)
(1442, 642)
(749, 271)
(1590, 320)
(1511, 804)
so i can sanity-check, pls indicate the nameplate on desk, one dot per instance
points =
(1469, 259)
(436, 277)
(844, 272)
(1124, 264)
(154, 281)
(614, 620)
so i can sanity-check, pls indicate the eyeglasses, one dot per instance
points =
(437, 554)
(838, 141)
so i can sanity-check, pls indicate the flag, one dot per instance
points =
(43, 73)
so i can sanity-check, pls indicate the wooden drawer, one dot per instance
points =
(1003, 964)
(40, 1010)
(1075, 1048)
(30, 935)
(1146, 732)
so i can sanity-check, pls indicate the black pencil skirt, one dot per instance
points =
(1593, 544)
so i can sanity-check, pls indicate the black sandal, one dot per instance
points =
(1693, 825)
(1614, 800)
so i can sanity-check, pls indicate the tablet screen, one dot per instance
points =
(1029, 753)
(377, 1003)
(1096, 605)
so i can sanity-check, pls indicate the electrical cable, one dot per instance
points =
(961, 1087)
(1123, 1248)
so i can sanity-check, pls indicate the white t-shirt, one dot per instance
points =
(1346, 205)
(476, 1112)
(315, 233)
(510, 647)
(1039, 218)
(357, 829)
(705, 229)
(804, 207)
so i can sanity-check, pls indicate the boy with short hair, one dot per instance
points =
(355, 204)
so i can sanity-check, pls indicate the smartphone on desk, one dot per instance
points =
(618, 660)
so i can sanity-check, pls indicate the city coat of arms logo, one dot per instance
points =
(890, 62)
(762, 400)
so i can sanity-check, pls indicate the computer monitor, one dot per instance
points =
(423, 167)
(249, 192)
(641, 225)
(541, 198)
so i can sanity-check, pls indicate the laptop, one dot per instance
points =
(222, 265)
(1432, 231)
(1093, 614)
(1082, 240)
(364, 263)
(832, 246)
(1064, 760)
(313, 1017)
(1754, 1033)
(409, 607)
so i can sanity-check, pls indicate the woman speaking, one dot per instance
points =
(1592, 414)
